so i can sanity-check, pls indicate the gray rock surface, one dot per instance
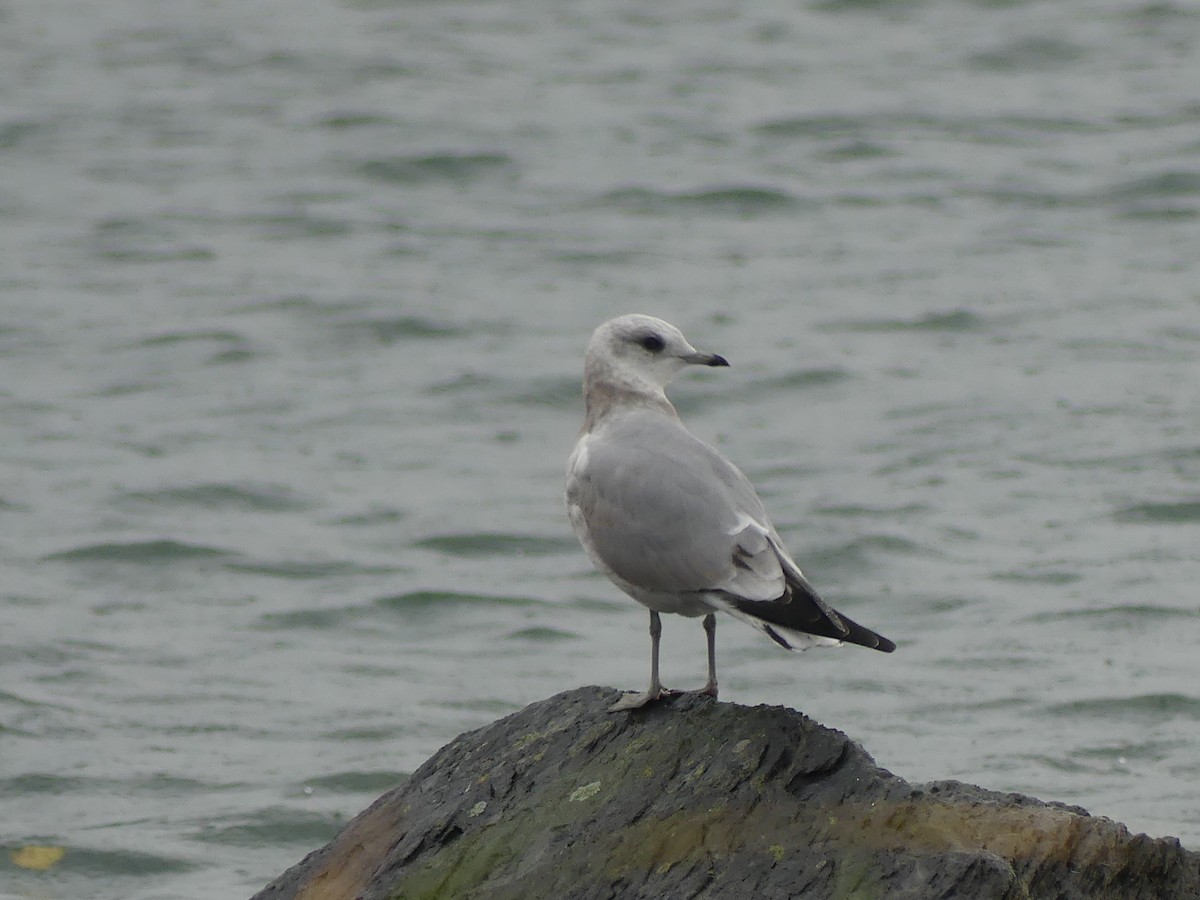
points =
(695, 798)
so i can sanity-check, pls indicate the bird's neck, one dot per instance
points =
(602, 394)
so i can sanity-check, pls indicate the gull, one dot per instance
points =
(670, 520)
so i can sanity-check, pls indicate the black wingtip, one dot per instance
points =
(801, 609)
(884, 645)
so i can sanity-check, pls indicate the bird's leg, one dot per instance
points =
(656, 690)
(656, 687)
(710, 632)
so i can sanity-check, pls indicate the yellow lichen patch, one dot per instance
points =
(530, 738)
(37, 857)
(638, 745)
(585, 792)
(747, 755)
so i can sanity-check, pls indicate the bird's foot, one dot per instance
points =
(639, 701)
(709, 690)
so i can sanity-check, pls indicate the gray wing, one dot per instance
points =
(664, 511)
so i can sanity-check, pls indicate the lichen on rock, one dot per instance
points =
(695, 798)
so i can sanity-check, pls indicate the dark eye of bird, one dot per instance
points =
(652, 342)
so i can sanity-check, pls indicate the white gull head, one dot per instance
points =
(635, 356)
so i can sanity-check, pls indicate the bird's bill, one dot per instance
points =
(705, 359)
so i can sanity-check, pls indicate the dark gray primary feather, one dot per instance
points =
(801, 609)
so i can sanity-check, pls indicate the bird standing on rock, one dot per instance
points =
(669, 519)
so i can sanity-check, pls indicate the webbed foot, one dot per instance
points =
(639, 701)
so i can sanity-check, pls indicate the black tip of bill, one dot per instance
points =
(714, 360)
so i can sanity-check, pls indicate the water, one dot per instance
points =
(292, 307)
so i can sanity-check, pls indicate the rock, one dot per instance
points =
(695, 798)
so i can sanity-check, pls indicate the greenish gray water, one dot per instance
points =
(292, 309)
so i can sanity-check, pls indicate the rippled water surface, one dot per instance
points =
(293, 300)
